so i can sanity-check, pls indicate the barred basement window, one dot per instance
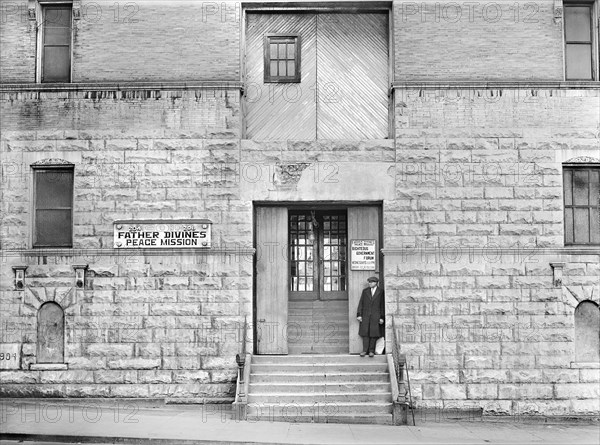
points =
(50, 333)
(580, 56)
(582, 205)
(282, 58)
(55, 43)
(53, 210)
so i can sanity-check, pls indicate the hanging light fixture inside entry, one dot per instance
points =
(312, 226)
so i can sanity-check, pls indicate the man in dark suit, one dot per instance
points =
(370, 314)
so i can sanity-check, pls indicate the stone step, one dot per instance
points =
(320, 368)
(305, 359)
(318, 349)
(344, 377)
(319, 387)
(286, 398)
(372, 419)
(318, 409)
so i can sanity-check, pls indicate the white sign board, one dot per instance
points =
(362, 254)
(152, 234)
(10, 356)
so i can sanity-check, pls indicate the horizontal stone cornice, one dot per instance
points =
(496, 84)
(523, 251)
(92, 253)
(120, 86)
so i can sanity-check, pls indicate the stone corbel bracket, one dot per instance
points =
(31, 9)
(558, 12)
(557, 274)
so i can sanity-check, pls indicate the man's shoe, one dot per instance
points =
(362, 354)
(371, 354)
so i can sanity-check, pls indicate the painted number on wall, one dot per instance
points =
(10, 356)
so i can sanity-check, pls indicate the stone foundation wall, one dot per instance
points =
(472, 205)
(469, 241)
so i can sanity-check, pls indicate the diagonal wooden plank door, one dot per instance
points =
(352, 76)
(280, 110)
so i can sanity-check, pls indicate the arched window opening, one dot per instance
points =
(50, 333)
(587, 332)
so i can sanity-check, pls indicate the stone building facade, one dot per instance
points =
(454, 136)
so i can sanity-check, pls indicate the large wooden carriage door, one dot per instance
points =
(343, 88)
(363, 224)
(271, 280)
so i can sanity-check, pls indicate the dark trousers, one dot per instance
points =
(369, 344)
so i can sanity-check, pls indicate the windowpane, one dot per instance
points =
(57, 65)
(273, 68)
(282, 70)
(594, 187)
(290, 51)
(291, 68)
(595, 226)
(54, 189)
(567, 186)
(569, 226)
(579, 61)
(273, 53)
(281, 53)
(57, 16)
(577, 23)
(580, 187)
(54, 35)
(582, 225)
(53, 227)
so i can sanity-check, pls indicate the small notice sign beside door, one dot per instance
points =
(362, 254)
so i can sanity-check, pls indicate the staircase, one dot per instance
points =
(320, 388)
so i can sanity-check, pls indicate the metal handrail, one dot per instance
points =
(401, 365)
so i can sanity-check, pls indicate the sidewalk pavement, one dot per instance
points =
(128, 421)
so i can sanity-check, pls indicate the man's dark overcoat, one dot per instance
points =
(371, 309)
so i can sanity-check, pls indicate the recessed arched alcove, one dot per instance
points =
(50, 333)
(587, 332)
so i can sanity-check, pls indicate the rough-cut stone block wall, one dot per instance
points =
(133, 41)
(157, 324)
(469, 241)
(477, 40)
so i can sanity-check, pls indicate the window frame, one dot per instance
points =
(41, 8)
(596, 206)
(594, 37)
(55, 168)
(267, 58)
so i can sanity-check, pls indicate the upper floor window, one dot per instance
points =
(55, 43)
(53, 209)
(582, 205)
(282, 58)
(579, 41)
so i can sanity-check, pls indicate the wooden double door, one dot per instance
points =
(306, 291)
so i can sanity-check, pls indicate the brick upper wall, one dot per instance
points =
(469, 41)
(160, 40)
(183, 41)
(138, 41)
(17, 43)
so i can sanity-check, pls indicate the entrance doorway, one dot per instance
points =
(307, 287)
(318, 285)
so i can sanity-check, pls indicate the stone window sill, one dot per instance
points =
(48, 367)
(587, 365)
